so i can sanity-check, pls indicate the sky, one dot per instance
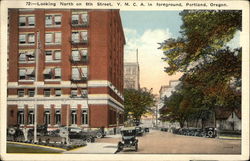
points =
(143, 31)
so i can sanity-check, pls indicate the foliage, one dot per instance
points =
(138, 102)
(202, 32)
(212, 71)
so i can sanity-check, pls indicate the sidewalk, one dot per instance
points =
(96, 148)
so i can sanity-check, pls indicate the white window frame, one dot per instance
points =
(75, 73)
(85, 117)
(31, 91)
(47, 92)
(31, 21)
(74, 92)
(57, 73)
(47, 117)
(48, 20)
(58, 117)
(58, 92)
(20, 117)
(20, 92)
(31, 117)
(73, 117)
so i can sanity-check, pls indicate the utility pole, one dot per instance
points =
(35, 83)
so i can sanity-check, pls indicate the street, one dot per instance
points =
(158, 142)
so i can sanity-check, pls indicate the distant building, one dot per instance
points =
(132, 74)
(80, 69)
(166, 91)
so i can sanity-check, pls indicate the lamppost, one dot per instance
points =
(36, 80)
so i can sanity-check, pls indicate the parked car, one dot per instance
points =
(146, 129)
(128, 139)
(210, 132)
(98, 133)
(139, 131)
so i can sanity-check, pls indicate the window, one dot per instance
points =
(31, 21)
(84, 72)
(74, 92)
(79, 37)
(31, 117)
(53, 38)
(47, 73)
(58, 20)
(78, 55)
(52, 55)
(75, 55)
(22, 21)
(53, 20)
(20, 92)
(58, 37)
(84, 116)
(57, 55)
(58, 92)
(22, 57)
(31, 92)
(58, 117)
(73, 117)
(84, 93)
(57, 73)
(47, 117)
(46, 92)
(79, 73)
(75, 74)
(27, 74)
(48, 55)
(48, 37)
(20, 117)
(79, 19)
(52, 73)
(27, 39)
(30, 74)
(22, 39)
(48, 20)
(26, 21)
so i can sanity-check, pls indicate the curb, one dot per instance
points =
(42, 146)
(229, 137)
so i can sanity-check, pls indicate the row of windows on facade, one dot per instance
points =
(54, 38)
(54, 20)
(80, 55)
(57, 92)
(78, 73)
(47, 117)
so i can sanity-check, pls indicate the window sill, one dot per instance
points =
(53, 61)
(27, 44)
(26, 62)
(27, 26)
(52, 80)
(52, 44)
(52, 26)
(26, 80)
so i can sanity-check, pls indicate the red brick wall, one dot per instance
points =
(98, 115)
(40, 114)
(12, 115)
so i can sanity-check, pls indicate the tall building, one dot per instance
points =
(132, 74)
(79, 68)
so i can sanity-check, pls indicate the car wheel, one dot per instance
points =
(210, 134)
(88, 140)
(99, 135)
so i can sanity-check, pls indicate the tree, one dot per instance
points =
(212, 71)
(138, 102)
(203, 32)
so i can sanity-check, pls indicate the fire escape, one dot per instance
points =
(79, 56)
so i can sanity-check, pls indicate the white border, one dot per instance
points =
(244, 5)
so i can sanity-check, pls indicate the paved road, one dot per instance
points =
(158, 142)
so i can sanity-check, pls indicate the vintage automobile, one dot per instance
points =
(77, 133)
(139, 131)
(128, 139)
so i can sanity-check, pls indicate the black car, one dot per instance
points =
(128, 139)
(139, 131)
(77, 133)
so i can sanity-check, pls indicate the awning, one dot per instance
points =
(30, 71)
(47, 71)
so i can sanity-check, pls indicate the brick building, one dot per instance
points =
(80, 68)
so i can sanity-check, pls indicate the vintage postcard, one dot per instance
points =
(124, 80)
